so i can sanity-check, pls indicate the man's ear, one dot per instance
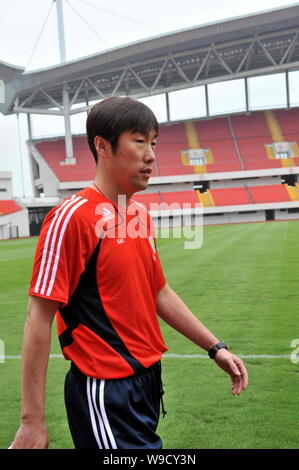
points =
(101, 146)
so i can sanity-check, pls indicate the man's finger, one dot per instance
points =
(242, 372)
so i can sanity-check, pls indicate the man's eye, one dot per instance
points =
(140, 141)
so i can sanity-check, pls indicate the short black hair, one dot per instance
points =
(114, 115)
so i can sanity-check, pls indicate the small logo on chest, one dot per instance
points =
(107, 214)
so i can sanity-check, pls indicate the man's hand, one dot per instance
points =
(174, 311)
(32, 433)
(233, 366)
(31, 436)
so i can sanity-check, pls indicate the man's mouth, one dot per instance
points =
(147, 171)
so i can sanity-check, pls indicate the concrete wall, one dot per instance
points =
(234, 217)
(245, 182)
(63, 194)
(5, 185)
(169, 188)
(163, 221)
(19, 219)
(285, 215)
(47, 182)
(50, 182)
(227, 218)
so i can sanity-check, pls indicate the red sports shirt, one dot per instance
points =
(100, 261)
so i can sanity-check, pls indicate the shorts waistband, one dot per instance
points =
(75, 370)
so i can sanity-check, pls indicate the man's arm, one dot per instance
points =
(174, 311)
(32, 433)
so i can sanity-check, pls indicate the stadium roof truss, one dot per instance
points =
(258, 44)
(256, 55)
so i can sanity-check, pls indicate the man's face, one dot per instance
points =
(131, 164)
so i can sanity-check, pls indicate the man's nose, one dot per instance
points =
(150, 155)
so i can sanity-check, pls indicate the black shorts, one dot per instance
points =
(116, 413)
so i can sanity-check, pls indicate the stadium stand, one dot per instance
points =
(172, 141)
(233, 143)
(181, 197)
(216, 135)
(9, 207)
(53, 151)
(230, 196)
(223, 196)
(270, 193)
(206, 198)
(288, 121)
(13, 220)
(293, 192)
(236, 143)
(228, 158)
(148, 198)
(252, 134)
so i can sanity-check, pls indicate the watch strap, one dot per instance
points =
(212, 352)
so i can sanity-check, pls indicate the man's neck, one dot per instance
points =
(110, 193)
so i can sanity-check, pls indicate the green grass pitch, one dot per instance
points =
(243, 284)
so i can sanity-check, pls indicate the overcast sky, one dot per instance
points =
(89, 30)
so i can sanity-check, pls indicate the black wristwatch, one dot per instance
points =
(212, 352)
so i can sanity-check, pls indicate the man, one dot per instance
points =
(96, 267)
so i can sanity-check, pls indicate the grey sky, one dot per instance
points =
(21, 22)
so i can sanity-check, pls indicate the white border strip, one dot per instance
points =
(91, 411)
(104, 416)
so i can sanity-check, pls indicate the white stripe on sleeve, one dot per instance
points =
(52, 247)
(46, 245)
(57, 255)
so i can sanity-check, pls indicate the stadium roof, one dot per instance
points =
(10, 72)
(259, 43)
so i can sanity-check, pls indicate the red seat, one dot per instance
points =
(215, 134)
(147, 199)
(53, 152)
(171, 141)
(270, 193)
(9, 207)
(181, 197)
(230, 196)
(250, 131)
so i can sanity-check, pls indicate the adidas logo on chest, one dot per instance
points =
(107, 214)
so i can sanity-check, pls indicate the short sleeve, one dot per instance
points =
(161, 280)
(60, 254)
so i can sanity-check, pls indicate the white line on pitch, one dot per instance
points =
(52, 356)
(242, 356)
(189, 356)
